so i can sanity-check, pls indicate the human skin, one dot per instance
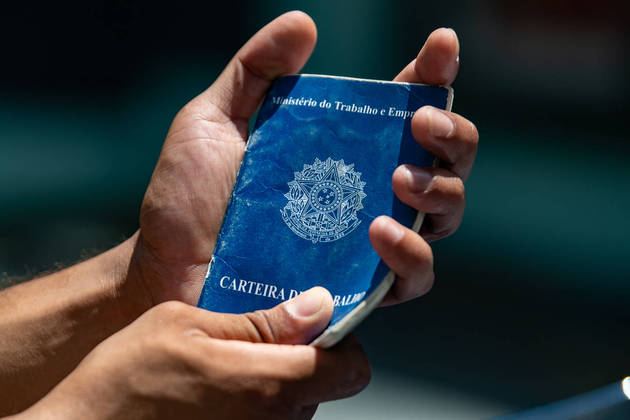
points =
(179, 361)
(51, 323)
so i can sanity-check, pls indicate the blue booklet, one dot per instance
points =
(317, 170)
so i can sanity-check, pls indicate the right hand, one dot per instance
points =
(191, 185)
(179, 361)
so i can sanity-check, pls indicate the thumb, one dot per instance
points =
(281, 47)
(297, 321)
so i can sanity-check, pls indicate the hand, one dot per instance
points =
(438, 192)
(190, 188)
(178, 361)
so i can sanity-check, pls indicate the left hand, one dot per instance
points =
(438, 192)
(190, 188)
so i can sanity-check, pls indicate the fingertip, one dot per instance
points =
(453, 35)
(446, 40)
(378, 223)
(286, 44)
(327, 299)
(281, 47)
(438, 132)
(315, 301)
(385, 233)
(420, 126)
(303, 22)
(401, 179)
(375, 229)
(310, 314)
(438, 60)
(295, 321)
(409, 181)
(420, 120)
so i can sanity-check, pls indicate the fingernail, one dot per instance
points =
(418, 179)
(393, 232)
(306, 304)
(440, 125)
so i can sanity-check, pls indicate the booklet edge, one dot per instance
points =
(335, 333)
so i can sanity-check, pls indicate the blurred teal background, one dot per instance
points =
(532, 293)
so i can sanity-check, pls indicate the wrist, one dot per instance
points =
(130, 295)
(56, 320)
(71, 400)
(164, 276)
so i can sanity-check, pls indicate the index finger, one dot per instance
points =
(437, 62)
(304, 375)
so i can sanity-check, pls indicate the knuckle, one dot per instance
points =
(171, 309)
(269, 392)
(275, 396)
(357, 371)
(467, 129)
(192, 108)
(420, 123)
(360, 373)
(452, 220)
(363, 373)
(412, 289)
(446, 194)
(419, 280)
(459, 189)
(172, 349)
(424, 257)
(284, 395)
(471, 140)
(262, 327)
(459, 193)
(474, 133)
(404, 289)
(427, 284)
(162, 348)
(448, 229)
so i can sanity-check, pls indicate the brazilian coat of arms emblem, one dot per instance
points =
(323, 201)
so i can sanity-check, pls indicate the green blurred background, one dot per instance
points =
(532, 293)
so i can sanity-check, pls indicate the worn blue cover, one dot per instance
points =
(317, 170)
